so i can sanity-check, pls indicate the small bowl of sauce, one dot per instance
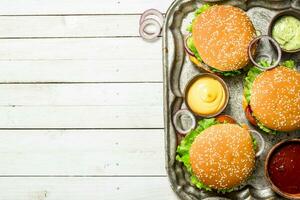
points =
(206, 95)
(285, 29)
(282, 168)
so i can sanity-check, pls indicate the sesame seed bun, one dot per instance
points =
(275, 99)
(222, 156)
(222, 35)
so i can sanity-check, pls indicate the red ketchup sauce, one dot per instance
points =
(284, 168)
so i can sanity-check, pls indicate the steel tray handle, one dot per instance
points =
(262, 144)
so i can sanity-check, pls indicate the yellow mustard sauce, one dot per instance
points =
(206, 96)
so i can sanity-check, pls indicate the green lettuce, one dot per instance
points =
(183, 152)
(254, 141)
(289, 64)
(226, 73)
(266, 129)
(251, 76)
(248, 83)
(191, 46)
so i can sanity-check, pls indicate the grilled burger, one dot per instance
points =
(218, 155)
(220, 38)
(272, 98)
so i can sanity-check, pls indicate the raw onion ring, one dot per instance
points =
(176, 117)
(146, 35)
(152, 12)
(257, 39)
(187, 49)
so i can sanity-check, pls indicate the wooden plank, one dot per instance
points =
(108, 49)
(79, 117)
(134, 105)
(96, 94)
(81, 71)
(69, 26)
(41, 7)
(109, 188)
(81, 152)
(80, 60)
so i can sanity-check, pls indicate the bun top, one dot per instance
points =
(222, 35)
(222, 156)
(275, 99)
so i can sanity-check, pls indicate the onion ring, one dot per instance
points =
(187, 49)
(257, 39)
(146, 35)
(180, 113)
(152, 12)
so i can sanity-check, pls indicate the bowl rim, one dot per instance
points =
(267, 160)
(287, 12)
(214, 76)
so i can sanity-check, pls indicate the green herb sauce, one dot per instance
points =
(286, 32)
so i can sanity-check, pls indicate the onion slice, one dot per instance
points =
(278, 49)
(187, 49)
(177, 119)
(154, 12)
(150, 36)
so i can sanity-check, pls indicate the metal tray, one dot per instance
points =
(178, 70)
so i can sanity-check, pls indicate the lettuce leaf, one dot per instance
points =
(226, 73)
(191, 46)
(266, 129)
(202, 9)
(254, 141)
(289, 64)
(251, 76)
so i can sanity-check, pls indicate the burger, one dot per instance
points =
(219, 38)
(272, 98)
(219, 156)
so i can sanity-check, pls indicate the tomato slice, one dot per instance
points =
(249, 116)
(225, 118)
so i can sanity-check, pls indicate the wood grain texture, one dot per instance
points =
(110, 188)
(81, 117)
(134, 105)
(81, 104)
(80, 60)
(81, 153)
(104, 49)
(95, 94)
(35, 71)
(69, 26)
(43, 7)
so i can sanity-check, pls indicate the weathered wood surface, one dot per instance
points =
(81, 102)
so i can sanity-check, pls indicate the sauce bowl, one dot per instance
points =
(267, 162)
(289, 12)
(220, 80)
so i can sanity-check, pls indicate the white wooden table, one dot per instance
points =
(81, 108)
